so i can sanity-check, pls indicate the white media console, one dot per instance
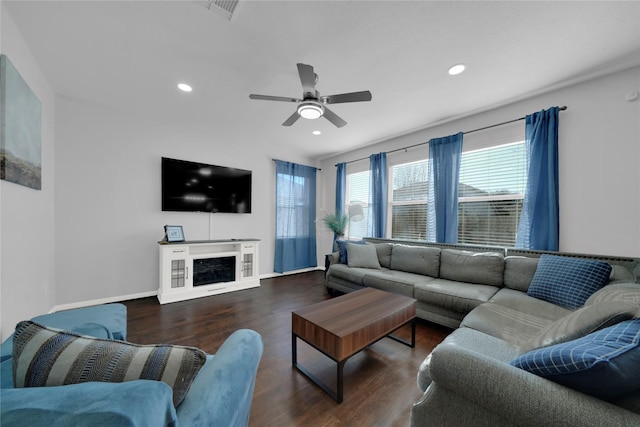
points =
(195, 269)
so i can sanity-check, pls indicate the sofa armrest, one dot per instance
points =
(519, 396)
(222, 392)
(330, 259)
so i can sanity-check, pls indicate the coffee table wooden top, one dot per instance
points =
(342, 326)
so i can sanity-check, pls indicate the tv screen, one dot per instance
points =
(199, 187)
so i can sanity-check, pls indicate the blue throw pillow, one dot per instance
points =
(603, 364)
(567, 282)
(342, 249)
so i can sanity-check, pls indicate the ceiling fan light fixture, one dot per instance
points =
(310, 110)
(457, 69)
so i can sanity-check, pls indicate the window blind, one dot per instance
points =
(409, 200)
(291, 206)
(358, 194)
(492, 185)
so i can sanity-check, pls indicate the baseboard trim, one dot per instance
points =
(100, 301)
(287, 273)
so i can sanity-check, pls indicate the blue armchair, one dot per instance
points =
(221, 393)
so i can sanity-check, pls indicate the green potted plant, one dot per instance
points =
(337, 224)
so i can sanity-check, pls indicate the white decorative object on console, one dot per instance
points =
(195, 269)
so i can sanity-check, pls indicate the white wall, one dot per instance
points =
(27, 215)
(599, 155)
(108, 208)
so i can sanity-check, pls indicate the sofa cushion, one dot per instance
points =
(581, 322)
(603, 364)
(48, 357)
(457, 296)
(439, 314)
(344, 272)
(342, 249)
(513, 316)
(341, 285)
(416, 259)
(519, 271)
(399, 282)
(362, 256)
(384, 253)
(486, 268)
(506, 323)
(523, 303)
(566, 281)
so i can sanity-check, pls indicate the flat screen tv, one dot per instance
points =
(199, 187)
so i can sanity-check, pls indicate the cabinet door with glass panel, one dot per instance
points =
(177, 266)
(248, 261)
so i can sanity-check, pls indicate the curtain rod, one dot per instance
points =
(564, 107)
(318, 169)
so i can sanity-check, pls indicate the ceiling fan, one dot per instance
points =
(312, 105)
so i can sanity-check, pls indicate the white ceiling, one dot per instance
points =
(130, 55)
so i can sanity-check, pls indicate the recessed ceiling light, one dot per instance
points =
(457, 69)
(184, 87)
(316, 132)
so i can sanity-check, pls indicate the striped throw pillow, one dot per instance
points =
(50, 357)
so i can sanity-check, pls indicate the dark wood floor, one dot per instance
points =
(379, 382)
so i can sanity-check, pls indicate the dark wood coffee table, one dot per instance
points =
(341, 327)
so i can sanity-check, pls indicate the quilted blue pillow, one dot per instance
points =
(567, 282)
(603, 364)
(342, 249)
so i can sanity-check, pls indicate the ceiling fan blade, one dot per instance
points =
(292, 119)
(333, 118)
(347, 97)
(274, 98)
(308, 79)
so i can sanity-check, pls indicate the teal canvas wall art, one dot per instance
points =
(20, 129)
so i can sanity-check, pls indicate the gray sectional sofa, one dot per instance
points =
(479, 374)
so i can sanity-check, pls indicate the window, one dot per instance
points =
(409, 201)
(357, 199)
(492, 185)
(490, 193)
(292, 206)
(295, 243)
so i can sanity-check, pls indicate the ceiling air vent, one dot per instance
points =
(225, 7)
